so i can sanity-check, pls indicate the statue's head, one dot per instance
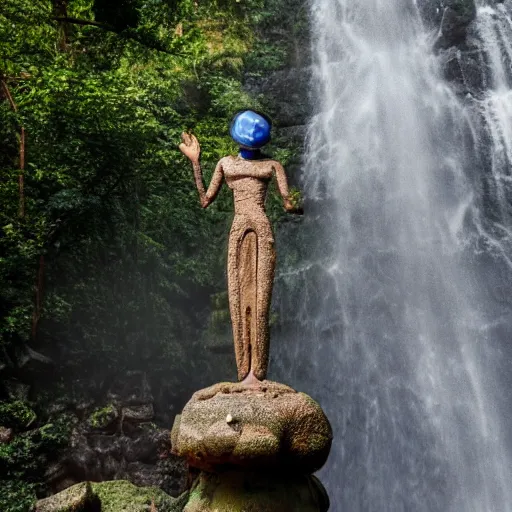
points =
(250, 129)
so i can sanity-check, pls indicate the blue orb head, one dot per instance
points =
(250, 129)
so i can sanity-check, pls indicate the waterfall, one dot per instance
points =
(393, 302)
(494, 25)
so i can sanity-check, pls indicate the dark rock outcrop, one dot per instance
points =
(119, 442)
(457, 16)
(141, 456)
(457, 43)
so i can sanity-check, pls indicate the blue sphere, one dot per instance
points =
(250, 130)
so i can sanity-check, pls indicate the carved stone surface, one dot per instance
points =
(251, 262)
(251, 253)
(257, 492)
(268, 425)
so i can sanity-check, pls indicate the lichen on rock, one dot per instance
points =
(270, 425)
(237, 491)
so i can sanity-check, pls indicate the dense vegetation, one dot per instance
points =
(107, 264)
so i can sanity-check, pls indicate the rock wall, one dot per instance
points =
(119, 441)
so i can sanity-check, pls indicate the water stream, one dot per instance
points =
(393, 299)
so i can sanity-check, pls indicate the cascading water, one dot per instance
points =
(393, 307)
(495, 30)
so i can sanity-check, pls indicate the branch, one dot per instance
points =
(8, 95)
(121, 33)
(21, 177)
(77, 21)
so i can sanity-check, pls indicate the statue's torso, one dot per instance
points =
(249, 181)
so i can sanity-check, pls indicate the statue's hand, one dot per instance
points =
(293, 203)
(293, 208)
(190, 146)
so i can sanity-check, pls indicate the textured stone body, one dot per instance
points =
(257, 492)
(251, 262)
(265, 426)
(251, 253)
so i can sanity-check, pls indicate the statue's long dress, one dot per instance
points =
(251, 265)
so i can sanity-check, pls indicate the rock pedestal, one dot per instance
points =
(257, 447)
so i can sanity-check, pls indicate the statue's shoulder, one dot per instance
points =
(227, 160)
(274, 163)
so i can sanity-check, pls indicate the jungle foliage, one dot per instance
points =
(107, 263)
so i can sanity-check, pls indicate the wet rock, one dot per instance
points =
(6, 435)
(268, 492)
(140, 413)
(457, 16)
(269, 425)
(431, 11)
(464, 70)
(78, 498)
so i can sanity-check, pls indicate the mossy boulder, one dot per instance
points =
(113, 496)
(239, 491)
(78, 498)
(268, 425)
(123, 496)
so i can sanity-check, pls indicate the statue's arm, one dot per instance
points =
(215, 185)
(282, 185)
(191, 149)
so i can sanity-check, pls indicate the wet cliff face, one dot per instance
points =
(453, 26)
(472, 42)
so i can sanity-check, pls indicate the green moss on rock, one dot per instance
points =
(78, 498)
(113, 496)
(123, 496)
(102, 418)
(257, 492)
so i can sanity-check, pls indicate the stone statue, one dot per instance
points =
(251, 253)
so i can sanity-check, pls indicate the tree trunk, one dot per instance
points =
(22, 147)
(60, 13)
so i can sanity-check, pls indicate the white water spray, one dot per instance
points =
(388, 327)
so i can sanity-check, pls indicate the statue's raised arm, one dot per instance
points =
(192, 150)
(251, 253)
